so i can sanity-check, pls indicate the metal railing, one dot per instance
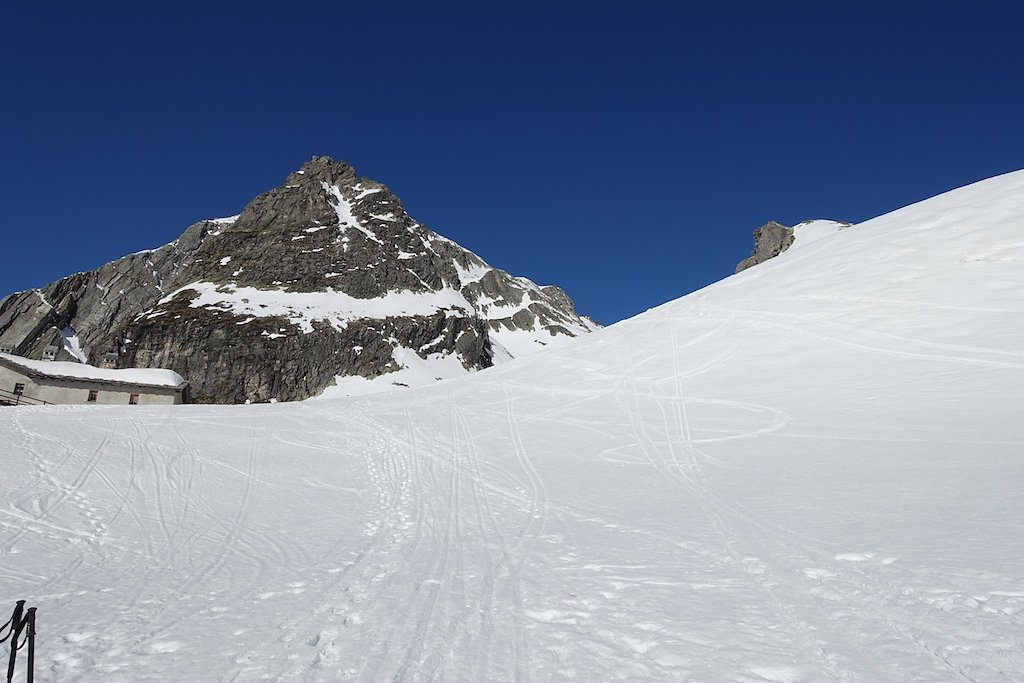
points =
(21, 627)
(16, 399)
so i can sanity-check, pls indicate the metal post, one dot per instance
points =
(15, 622)
(30, 624)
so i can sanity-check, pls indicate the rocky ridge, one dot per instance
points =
(771, 239)
(324, 276)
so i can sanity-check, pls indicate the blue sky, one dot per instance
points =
(624, 151)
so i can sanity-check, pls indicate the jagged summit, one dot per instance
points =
(324, 276)
(325, 227)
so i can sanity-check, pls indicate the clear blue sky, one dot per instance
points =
(624, 151)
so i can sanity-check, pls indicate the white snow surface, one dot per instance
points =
(523, 343)
(343, 208)
(303, 308)
(69, 339)
(415, 372)
(810, 471)
(145, 376)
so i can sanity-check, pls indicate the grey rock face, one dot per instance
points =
(770, 240)
(325, 275)
(98, 304)
(23, 319)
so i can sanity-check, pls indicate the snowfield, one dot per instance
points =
(810, 471)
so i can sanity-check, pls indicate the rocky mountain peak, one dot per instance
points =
(325, 276)
(325, 227)
(300, 199)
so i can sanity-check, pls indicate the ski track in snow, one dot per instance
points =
(753, 483)
(450, 557)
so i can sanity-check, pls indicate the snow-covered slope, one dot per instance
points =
(809, 471)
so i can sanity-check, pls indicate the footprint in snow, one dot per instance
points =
(779, 674)
(854, 557)
(160, 647)
(327, 651)
(817, 573)
(864, 557)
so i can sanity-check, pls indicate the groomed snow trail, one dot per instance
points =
(810, 471)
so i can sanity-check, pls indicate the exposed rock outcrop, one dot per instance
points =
(770, 240)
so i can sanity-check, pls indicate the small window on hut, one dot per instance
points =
(93, 395)
(19, 388)
(133, 400)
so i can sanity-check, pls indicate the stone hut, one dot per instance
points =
(33, 382)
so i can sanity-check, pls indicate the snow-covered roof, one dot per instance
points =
(153, 377)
